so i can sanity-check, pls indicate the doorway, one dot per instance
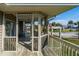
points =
(25, 34)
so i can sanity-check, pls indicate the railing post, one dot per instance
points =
(68, 51)
(72, 52)
(60, 48)
(76, 53)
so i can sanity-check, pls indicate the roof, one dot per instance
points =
(46, 9)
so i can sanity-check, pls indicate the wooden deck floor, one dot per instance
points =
(22, 51)
(25, 50)
(47, 51)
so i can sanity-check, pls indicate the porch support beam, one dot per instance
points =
(16, 32)
(48, 35)
(3, 32)
(32, 32)
(39, 34)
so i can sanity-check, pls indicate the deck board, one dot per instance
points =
(48, 51)
(22, 51)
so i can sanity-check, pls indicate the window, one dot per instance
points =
(10, 28)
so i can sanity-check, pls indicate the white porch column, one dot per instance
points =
(48, 35)
(3, 32)
(39, 34)
(16, 32)
(32, 32)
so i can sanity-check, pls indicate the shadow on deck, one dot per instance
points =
(24, 49)
(26, 45)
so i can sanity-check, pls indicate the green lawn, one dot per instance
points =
(65, 30)
(75, 41)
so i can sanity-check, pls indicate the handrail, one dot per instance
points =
(44, 35)
(67, 42)
(63, 47)
(10, 36)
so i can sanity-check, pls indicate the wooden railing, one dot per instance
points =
(62, 47)
(10, 43)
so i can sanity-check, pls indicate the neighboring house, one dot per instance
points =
(74, 27)
(64, 27)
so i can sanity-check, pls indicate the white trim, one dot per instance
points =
(39, 34)
(32, 33)
(44, 35)
(3, 31)
(34, 37)
(10, 36)
(16, 32)
(59, 30)
(9, 51)
(41, 4)
(56, 27)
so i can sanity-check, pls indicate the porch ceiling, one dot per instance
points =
(49, 10)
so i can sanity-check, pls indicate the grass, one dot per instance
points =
(65, 30)
(75, 41)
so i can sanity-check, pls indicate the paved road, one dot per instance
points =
(68, 34)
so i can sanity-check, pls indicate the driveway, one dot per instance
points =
(68, 34)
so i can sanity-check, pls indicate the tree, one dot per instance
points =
(78, 28)
(75, 23)
(56, 24)
(78, 23)
(70, 24)
(53, 24)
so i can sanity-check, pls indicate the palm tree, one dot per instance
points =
(70, 24)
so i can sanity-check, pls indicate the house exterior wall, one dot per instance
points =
(1, 20)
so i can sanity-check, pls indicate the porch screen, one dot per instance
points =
(1, 19)
(10, 28)
(43, 26)
(36, 27)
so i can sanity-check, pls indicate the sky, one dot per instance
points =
(64, 17)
